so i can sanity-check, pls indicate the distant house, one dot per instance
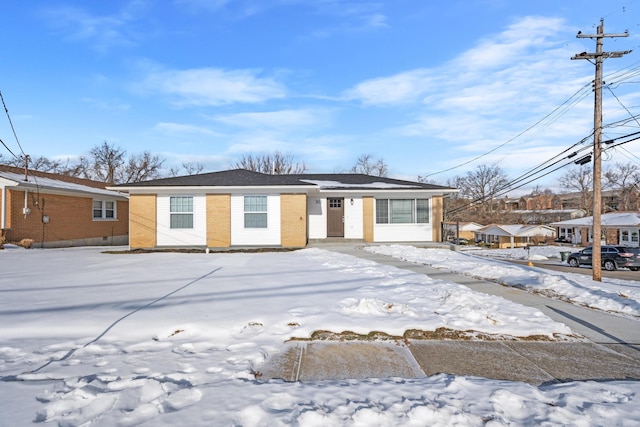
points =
(618, 228)
(241, 208)
(463, 230)
(55, 210)
(511, 236)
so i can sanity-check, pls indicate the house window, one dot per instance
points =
(104, 209)
(402, 211)
(624, 236)
(181, 212)
(255, 211)
(634, 236)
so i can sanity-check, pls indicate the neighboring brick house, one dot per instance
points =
(241, 208)
(56, 211)
(618, 228)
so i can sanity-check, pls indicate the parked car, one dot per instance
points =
(460, 241)
(613, 257)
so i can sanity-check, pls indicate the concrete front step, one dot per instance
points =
(535, 363)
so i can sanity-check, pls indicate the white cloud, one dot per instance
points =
(514, 59)
(274, 119)
(103, 31)
(401, 88)
(214, 86)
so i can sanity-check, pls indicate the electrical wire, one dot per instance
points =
(555, 114)
(12, 128)
(503, 190)
(8, 149)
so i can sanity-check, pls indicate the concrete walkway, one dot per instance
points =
(610, 351)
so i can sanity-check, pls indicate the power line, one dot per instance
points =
(510, 186)
(561, 108)
(8, 149)
(12, 128)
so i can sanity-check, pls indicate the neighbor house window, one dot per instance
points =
(104, 209)
(181, 211)
(255, 211)
(634, 236)
(625, 236)
(402, 211)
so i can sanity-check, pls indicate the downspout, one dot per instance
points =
(26, 211)
(3, 214)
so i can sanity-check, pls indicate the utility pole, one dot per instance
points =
(596, 262)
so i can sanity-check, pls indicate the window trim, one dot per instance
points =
(103, 210)
(251, 212)
(179, 213)
(419, 215)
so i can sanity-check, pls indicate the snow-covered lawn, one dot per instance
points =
(88, 338)
(612, 295)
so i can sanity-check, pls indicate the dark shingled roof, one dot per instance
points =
(246, 178)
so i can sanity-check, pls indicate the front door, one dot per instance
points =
(335, 217)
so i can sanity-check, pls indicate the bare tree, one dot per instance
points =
(481, 186)
(43, 164)
(188, 168)
(105, 163)
(140, 168)
(624, 179)
(367, 165)
(580, 179)
(274, 164)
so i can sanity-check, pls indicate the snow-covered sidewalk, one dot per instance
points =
(611, 295)
(174, 339)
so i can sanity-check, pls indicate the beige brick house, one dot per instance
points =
(56, 210)
(241, 208)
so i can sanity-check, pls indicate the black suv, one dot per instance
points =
(613, 257)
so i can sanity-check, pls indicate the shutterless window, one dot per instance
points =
(104, 209)
(181, 212)
(255, 211)
(382, 211)
(402, 211)
(422, 211)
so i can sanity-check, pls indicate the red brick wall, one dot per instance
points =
(70, 218)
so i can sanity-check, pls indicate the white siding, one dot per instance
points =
(195, 236)
(317, 211)
(241, 236)
(402, 233)
(353, 218)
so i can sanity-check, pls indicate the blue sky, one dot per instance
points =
(425, 85)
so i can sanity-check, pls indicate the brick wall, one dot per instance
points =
(69, 219)
(293, 220)
(218, 220)
(142, 217)
(367, 219)
(436, 218)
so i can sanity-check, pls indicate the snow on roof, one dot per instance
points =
(617, 219)
(513, 229)
(338, 184)
(54, 184)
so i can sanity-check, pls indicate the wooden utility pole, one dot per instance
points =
(597, 138)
